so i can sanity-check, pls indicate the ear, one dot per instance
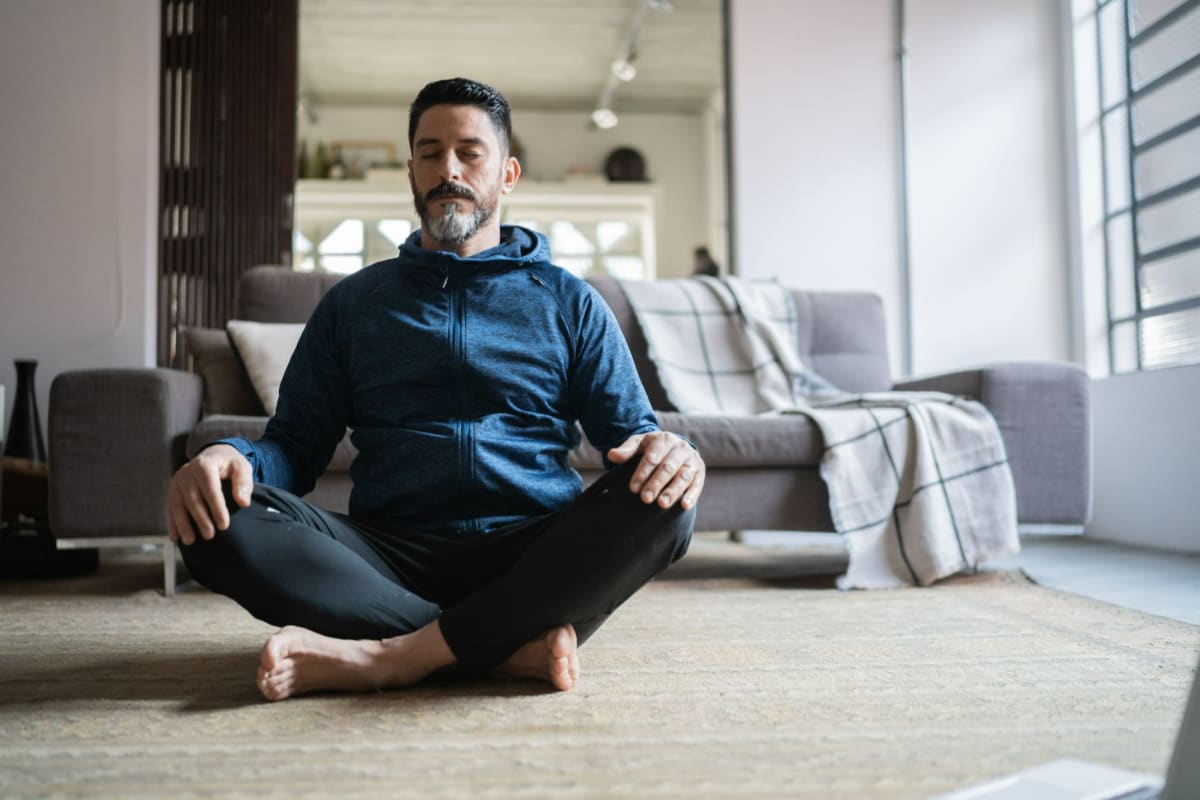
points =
(512, 171)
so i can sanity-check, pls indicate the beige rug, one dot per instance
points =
(729, 677)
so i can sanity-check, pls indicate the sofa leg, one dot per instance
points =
(144, 542)
(169, 568)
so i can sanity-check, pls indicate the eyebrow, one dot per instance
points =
(474, 140)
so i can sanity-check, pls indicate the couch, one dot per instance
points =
(117, 435)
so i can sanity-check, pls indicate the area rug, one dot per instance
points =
(739, 673)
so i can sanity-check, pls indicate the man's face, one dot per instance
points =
(458, 171)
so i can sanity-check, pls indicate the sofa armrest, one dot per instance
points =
(1043, 411)
(116, 437)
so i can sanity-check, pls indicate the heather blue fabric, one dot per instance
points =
(461, 380)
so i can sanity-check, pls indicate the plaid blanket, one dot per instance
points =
(918, 482)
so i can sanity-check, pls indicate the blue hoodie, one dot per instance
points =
(461, 380)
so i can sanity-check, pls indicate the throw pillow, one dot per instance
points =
(227, 387)
(265, 349)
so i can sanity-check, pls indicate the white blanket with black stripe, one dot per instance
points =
(919, 482)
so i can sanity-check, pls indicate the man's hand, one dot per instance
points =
(670, 470)
(195, 502)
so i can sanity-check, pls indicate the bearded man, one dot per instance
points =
(461, 367)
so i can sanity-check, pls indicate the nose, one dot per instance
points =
(451, 167)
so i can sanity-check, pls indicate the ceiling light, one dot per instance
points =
(604, 118)
(624, 70)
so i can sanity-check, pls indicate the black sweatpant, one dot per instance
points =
(289, 562)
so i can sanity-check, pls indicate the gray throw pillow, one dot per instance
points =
(227, 387)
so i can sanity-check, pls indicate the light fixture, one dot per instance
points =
(624, 70)
(604, 118)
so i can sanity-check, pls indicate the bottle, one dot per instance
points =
(302, 164)
(337, 167)
(320, 167)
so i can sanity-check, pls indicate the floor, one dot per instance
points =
(1154, 581)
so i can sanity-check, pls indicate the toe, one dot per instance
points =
(277, 687)
(560, 674)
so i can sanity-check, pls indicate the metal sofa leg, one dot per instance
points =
(169, 568)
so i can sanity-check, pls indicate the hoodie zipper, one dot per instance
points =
(463, 427)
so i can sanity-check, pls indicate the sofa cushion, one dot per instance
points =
(735, 442)
(270, 293)
(227, 388)
(222, 426)
(265, 349)
(841, 335)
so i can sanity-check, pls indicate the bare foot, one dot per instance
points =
(551, 657)
(296, 661)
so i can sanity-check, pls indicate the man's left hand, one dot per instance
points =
(671, 471)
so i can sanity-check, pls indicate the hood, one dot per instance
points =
(518, 247)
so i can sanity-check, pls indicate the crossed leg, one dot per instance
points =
(351, 624)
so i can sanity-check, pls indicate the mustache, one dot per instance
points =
(449, 190)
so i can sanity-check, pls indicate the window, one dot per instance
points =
(1148, 54)
(346, 245)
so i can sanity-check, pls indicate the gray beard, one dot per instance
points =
(452, 226)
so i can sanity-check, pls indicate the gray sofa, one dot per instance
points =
(116, 435)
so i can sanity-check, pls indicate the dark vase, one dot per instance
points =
(25, 430)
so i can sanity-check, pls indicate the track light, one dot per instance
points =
(604, 118)
(621, 70)
(624, 70)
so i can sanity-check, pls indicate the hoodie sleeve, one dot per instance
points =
(606, 393)
(311, 417)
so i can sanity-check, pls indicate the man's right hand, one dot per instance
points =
(195, 502)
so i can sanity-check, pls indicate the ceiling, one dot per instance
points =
(542, 54)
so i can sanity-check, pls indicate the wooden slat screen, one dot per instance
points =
(227, 171)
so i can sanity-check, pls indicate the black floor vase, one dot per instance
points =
(24, 438)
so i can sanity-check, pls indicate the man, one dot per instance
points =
(461, 366)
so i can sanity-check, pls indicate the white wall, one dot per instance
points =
(987, 188)
(556, 142)
(1147, 458)
(78, 150)
(816, 165)
(814, 109)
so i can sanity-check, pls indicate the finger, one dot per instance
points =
(692, 495)
(679, 484)
(199, 512)
(663, 473)
(653, 452)
(626, 449)
(241, 480)
(214, 498)
(183, 524)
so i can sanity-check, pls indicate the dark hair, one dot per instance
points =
(463, 92)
